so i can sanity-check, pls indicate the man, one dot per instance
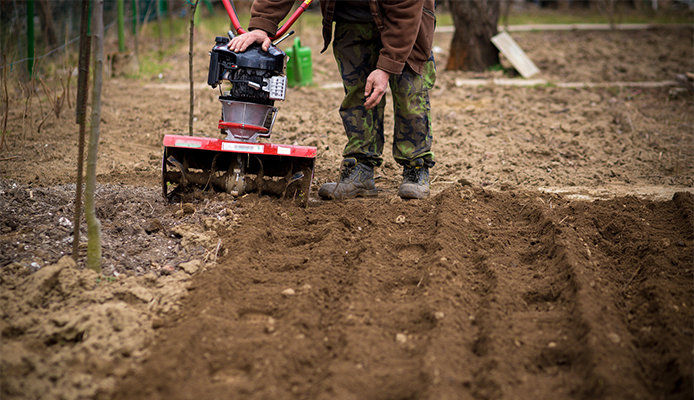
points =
(376, 43)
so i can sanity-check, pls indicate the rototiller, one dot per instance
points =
(239, 163)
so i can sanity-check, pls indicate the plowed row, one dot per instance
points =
(471, 294)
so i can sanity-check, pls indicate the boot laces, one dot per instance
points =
(347, 171)
(412, 174)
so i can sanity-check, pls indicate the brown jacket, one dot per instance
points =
(406, 26)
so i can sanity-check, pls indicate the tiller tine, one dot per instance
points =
(238, 167)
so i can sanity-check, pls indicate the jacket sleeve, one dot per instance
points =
(401, 20)
(267, 14)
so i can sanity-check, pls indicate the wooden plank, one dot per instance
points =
(577, 27)
(510, 49)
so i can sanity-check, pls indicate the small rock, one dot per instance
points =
(191, 266)
(167, 270)
(400, 219)
(139, 293)
(152, 226)
(464, 182)
(401, 338)
(517, 342)
(157, 323)
(288, 292)
(614, 338)
(439, 315)
(150, 277)
(306, 287)
(187, 208)
(65, 222)
(552, 345)
(210, 223)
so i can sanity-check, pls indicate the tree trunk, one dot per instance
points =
(81, 112)
(193, 7)
(47, 23)
(160, 27)
(136, 22)
(475, 23)
(171, 6)
(93, 224)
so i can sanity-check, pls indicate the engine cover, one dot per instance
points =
(256, 76)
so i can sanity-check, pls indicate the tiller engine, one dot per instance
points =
(239, 163)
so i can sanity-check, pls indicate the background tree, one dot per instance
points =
(475, 23)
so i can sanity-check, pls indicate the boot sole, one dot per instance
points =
(358, 193)
(407, 194)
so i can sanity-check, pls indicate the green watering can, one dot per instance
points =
(299, 66)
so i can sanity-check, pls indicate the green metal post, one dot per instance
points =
(121, 25)
(89, 21)
(134, 24)
(30, 36)
(208, 4)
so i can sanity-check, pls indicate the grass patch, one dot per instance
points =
(151, 65)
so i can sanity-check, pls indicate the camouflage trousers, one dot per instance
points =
(356, 48)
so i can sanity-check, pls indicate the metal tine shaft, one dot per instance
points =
(280, 40)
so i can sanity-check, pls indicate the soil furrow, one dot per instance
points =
(454, 291)
(384, 327)
(640, 255)
(242, 328)
(472, 294)
(530, 318)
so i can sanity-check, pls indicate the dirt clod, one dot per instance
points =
(191, 266)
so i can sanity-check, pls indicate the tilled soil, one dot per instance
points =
(472, 294)
(490, 289)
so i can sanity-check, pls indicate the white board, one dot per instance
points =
(510, 49)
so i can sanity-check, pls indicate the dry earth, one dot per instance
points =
(490, 289)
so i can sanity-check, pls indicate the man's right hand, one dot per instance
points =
(240, 43)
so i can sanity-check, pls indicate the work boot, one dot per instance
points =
(356, 180)
(415, 183)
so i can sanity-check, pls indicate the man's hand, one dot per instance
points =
(240, 43)
(376, 85)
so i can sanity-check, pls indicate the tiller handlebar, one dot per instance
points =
(281, 31)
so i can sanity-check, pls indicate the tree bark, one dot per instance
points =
(47, 23)
(475, 23)
(81, 112)
(93, 224)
